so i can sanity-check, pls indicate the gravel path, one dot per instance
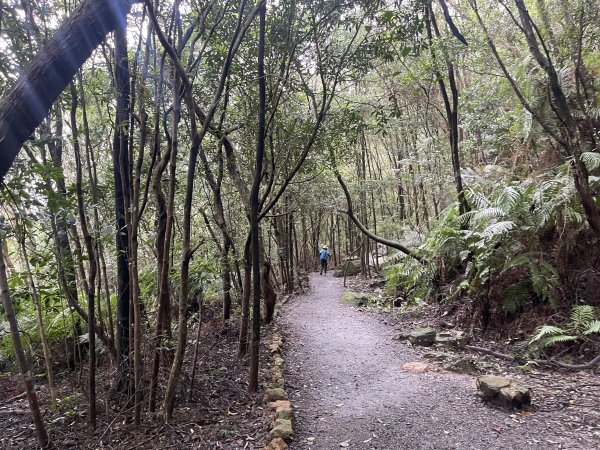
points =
(346, 381)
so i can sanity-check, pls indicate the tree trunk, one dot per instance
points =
(20, 355)
(27, 102)
(40, 320)
(121, 171)
(254, 205)
(91, 282)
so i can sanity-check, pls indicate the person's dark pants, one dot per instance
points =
(323, 265)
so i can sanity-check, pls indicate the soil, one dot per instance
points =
(220, 415)
(352, 386)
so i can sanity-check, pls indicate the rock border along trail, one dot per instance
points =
(346, 380)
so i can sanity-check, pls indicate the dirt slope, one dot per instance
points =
(346, 379)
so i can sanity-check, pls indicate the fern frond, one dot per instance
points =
(558, 339)
(593, 327)
(499, 228)
(509, 198)
(572, 216)
(581, 317)
(591, 160)
(513, 296)
(493, 213)
(518, 261)
(546, 330)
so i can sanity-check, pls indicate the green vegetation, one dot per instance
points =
(194, 162)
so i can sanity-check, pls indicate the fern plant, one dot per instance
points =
(495, 251)
(583, 323)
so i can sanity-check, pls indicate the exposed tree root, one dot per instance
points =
(544, 362)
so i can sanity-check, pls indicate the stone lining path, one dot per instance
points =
(345, 377)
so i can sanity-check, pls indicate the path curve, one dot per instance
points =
(345, 378)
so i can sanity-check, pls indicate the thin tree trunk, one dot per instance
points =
(9, 311)
(246, 295)
(91, 283)
(254, 205)
(121, 171)
(40, 320)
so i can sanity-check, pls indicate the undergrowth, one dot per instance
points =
(506, 256)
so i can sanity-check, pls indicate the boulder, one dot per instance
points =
(456, 339)
(356, 298)
(276, 444)
(351, 268)
(463, 365)
(503, 392)
(422, 336)
(282, 429)
(274, 394)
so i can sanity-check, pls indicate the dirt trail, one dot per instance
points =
(346, 381)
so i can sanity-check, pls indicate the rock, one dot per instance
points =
(452, 339)
(436, 356)
(352, 268)
(280, 404)
(378, 283)
(275, 394)
(276, 444)
(503, 392)
(285, 413)
(275, 347)
(415, 367)
(401, 336)
(422, 336)
(463, 365)
(276, 382)
(356, 298)
(276, 372)
(282, 429)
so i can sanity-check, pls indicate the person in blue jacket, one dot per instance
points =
(324, 256)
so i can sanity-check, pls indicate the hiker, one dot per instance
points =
(324, 256)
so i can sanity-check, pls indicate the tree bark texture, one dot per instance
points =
(28, 101)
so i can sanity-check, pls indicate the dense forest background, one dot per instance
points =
(195, 164)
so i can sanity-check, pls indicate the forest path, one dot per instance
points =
(347, 384)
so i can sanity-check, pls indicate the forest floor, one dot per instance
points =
(220, 415)
(352, 386)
